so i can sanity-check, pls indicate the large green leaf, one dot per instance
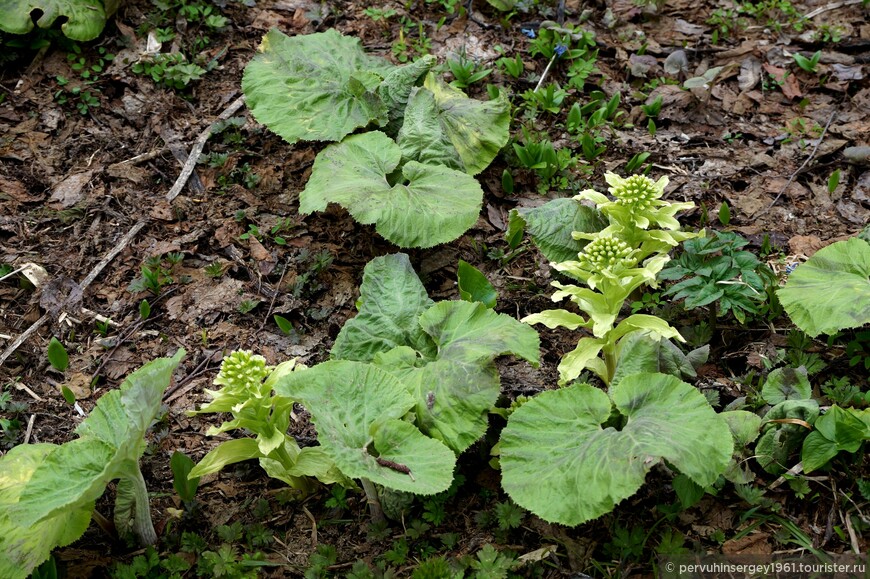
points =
(455, 391)
(110, 444)
(397, 87)
(786, 384)
(392, 299)
(780, 440)
(442, 354)
(23, 547)
(551, 225)
(357, 409)
(430, 204)
(443, 126)
(315, 87)
(839, 429)
(558, 461)
(831, 291)
(83, 20)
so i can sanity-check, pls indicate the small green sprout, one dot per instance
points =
(807, 64)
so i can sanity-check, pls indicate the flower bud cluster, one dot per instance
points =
(638, 192)
(242, 368)
(606, 253)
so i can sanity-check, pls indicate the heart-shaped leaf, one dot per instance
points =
(560, 463)
(357, 409)
(315, 87)
(831, 291)
(443, 126)
(425, 206)
(83, 20)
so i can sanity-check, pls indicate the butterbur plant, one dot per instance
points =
(48, 491)
(600, 445)
(247, 394)
(411, 173)
(410, 383)
(624, 256)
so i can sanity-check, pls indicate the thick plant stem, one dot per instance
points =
(374, 503)
(142, 524)
(609, 363)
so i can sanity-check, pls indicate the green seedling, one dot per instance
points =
(379, 14)
(10, 423)
(833, 181)
(181, 465)
(724, 214)
(653, 109)
(473, 285)
(57, 356)
(144, 310)
(284, 325)
(513, 67)
(465, 72)
(171, 69)
(548, 98)
(716, 270)
(636, 162)
(807, 64)
(214, 270)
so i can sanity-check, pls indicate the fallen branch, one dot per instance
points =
(118, 248)
(804, 164)
(198, 146)
(831, 6)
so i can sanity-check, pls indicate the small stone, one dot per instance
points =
(857, 155)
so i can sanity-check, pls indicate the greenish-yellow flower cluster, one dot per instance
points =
(637, 192)
(606, 253)
(243, 369)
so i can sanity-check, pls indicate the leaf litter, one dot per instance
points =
(71, 186)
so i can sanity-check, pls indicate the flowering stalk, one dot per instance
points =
(247, 393)
(619, 259)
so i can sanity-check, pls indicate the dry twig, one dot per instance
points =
(198, 146)
(82, 287)
(804, 164)
(831, 6)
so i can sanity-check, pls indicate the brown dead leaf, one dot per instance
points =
(845, 72)
(79, 384)
(495, 217)
(853, 212)
(123, 361)
(750, 73)
(162, 210)
(787, 82)
(752, 544)
(266, 19)
(750, 202)
(127, 171)
(795, 190)
(227, 233)
(16, 190)
(258, 252)
(805, 245)
(70, 191)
